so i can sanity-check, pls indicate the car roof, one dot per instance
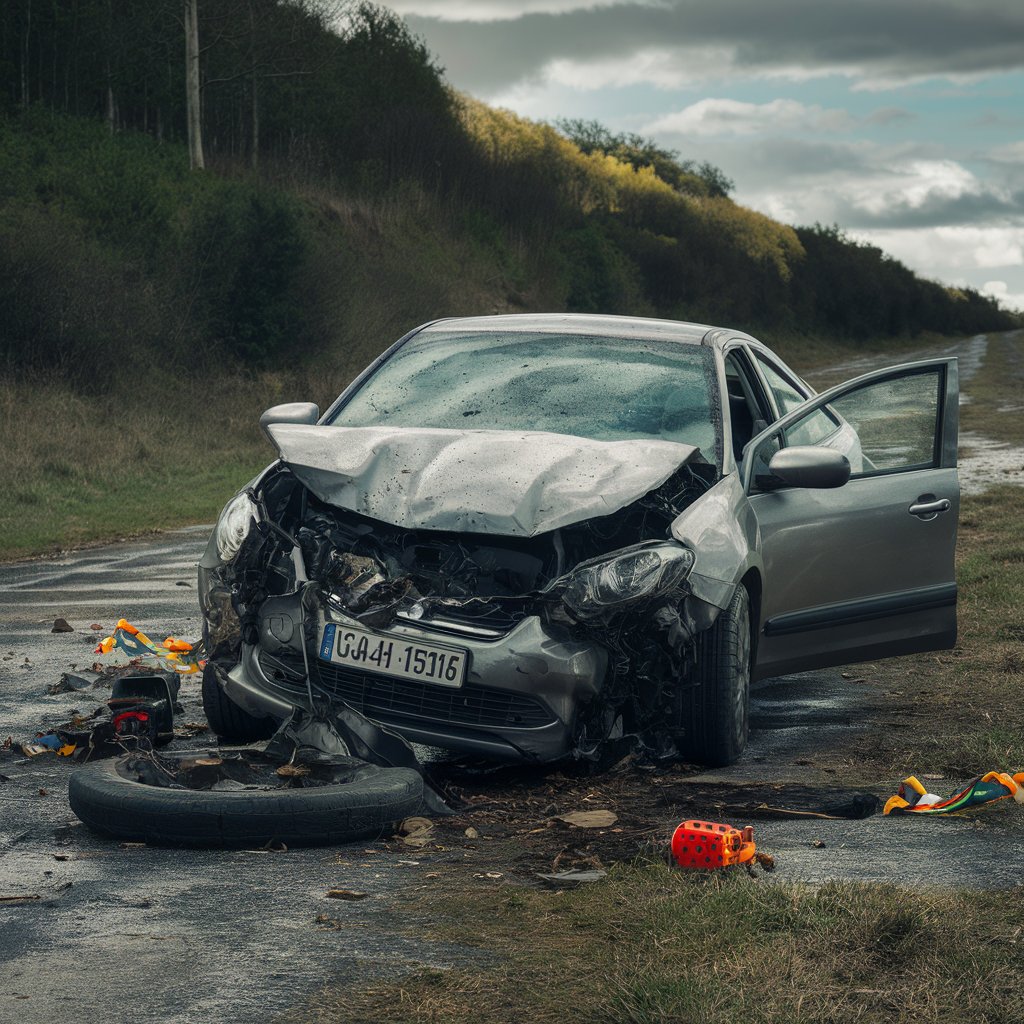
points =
(588, 323)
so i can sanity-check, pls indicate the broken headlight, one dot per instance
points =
(234, 524)
(632, 574)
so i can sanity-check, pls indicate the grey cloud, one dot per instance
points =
(937, 211)
(873, 37)
(890, 115)
(819, 181)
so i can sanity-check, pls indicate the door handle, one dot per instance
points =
(929, 509)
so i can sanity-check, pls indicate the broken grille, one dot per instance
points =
(388, 699)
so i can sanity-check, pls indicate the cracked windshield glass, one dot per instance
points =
(608, 389)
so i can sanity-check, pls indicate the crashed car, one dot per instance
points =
(540, 537)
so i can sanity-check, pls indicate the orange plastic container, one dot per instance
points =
(709, 845)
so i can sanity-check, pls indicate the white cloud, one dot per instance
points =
(661, 68)
(1000, 291)
(948, 251)
(500, 10)
(1008, 153)
(733, 117)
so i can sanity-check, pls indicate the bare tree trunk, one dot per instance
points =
(24, 55)
(255, 123)
(192, 92)
(110, 103)
(255, 91)
(110, 88)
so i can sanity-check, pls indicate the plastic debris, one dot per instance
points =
(50, 743)
(913, 798)
(175, 655)
(709, 845)
(143, 705)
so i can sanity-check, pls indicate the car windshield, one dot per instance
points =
(605, 388)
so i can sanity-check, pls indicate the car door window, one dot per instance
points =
(810, 430)
(896, 422)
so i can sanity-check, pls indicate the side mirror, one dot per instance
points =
(290, 412)
(806, 466)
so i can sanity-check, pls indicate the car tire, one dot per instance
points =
(227, 719)
(110, 802)
(717, 709)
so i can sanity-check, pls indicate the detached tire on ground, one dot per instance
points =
(110, 802)
(227, 719)
(716, 711)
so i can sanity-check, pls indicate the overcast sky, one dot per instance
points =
(900, 120)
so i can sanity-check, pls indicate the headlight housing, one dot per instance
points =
(626, 576)
(234, 524)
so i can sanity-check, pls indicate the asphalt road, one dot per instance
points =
(152, 934)
(148, 934)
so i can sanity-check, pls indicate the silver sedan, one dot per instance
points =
(560, 536)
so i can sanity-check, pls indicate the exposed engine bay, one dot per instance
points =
(617, 583)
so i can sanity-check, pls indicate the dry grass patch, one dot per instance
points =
(652, 945)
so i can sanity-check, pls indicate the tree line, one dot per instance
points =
(104, 105)
(322, 84)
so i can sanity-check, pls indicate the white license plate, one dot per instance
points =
(390, 655)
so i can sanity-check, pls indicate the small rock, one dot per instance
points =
(345, 894)
(818, 844)
(96, 627)
(62, 626)
(471, 833)
(182, 583)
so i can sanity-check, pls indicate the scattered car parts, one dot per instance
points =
(145, 797)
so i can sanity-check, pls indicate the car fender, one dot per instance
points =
(721, 530)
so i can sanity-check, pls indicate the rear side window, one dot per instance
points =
(811, 429)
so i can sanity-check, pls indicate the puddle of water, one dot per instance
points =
(984, 463)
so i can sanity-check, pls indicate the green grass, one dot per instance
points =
(996, 408)
(85, 469)
(652, 945)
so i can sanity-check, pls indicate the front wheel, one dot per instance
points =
(717, 710)
(226, 718)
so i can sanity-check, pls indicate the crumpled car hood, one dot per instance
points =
(507, 483)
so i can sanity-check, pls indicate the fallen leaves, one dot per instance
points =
(416, 832)
(589, 819)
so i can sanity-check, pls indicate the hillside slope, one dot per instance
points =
(148, 312)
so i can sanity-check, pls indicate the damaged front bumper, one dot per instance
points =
(521, 699)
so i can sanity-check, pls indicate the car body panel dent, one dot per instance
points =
(505, 483)
(722, 531)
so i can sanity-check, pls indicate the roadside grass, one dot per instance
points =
(996, 408)
(80, 469)
(652, 945)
